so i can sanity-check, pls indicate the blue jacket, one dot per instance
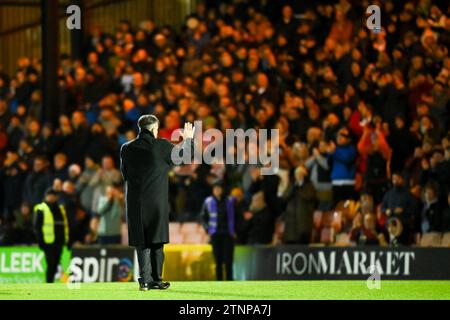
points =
(400, 197)
(343, 163)
(210, 214)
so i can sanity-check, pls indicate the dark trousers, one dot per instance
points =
(52, 257)
(109, 239)
(223, 249)
(151, 260)
(8, 214)
(376, 189)
(342, 193)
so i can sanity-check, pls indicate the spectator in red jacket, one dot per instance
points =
(374, 163)
(359, 118)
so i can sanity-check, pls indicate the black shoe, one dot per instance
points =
(159, 285)
(143, 286)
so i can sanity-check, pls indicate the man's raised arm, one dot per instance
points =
(183, 152)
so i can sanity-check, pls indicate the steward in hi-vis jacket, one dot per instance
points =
(52, 230)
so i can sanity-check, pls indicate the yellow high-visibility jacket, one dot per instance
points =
(48, 225)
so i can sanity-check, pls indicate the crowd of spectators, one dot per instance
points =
(363, 115)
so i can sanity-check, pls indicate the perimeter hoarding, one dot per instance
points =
(195, 262)
(102, 264)
(119, 263)
(341, 263)
(27, 265)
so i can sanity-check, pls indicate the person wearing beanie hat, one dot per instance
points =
(52, 230)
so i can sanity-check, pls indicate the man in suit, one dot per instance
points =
(145, 163)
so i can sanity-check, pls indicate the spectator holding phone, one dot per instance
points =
(375, 155)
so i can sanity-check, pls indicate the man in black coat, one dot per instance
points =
(260, 222)
(399, 202)
(37, 181)
(12, 176)
(145, 164)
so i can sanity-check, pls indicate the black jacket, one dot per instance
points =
(13, 178)
(35, 185)
(446, 220)
(400, 197)
(433, 214)
(145, 164)
(260, 227)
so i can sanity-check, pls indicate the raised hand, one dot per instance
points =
(188, 131)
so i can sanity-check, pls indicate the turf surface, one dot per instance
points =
(238, 290)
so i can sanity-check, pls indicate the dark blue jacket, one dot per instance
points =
(343, 163)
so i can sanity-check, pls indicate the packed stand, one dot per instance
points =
(363, 118)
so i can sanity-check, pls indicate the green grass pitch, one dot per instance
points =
(237, 290)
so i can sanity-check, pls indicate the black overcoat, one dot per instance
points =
(145, 163)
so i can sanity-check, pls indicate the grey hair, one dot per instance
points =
(148, 121)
